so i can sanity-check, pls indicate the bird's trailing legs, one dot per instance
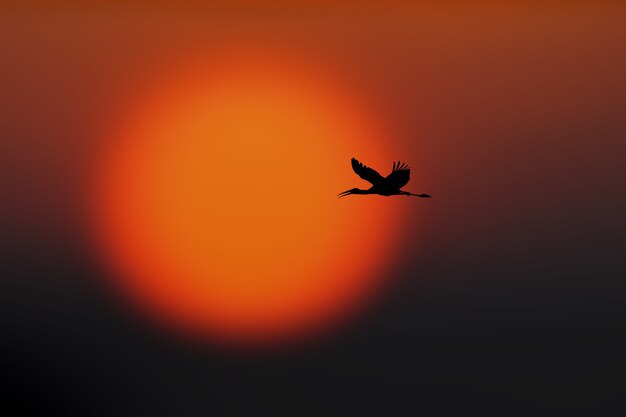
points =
(416, 195)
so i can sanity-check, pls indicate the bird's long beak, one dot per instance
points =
(345, 193)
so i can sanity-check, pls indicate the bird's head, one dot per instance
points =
(351, 191)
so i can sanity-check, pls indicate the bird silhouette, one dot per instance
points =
(389, 185)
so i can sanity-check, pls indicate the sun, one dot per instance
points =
(215, 200)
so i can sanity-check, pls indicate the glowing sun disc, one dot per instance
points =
(215, 202)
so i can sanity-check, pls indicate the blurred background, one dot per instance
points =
(509, 296)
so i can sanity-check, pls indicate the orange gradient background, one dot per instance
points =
(511, 116)
(216, 200)
(169, 214)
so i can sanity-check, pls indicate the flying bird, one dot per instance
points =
(389, 185)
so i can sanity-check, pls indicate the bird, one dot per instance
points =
(386, 186)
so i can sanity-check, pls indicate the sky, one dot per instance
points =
(505, 294)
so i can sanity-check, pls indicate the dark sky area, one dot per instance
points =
(509, 297)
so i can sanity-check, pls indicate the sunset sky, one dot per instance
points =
(511, 116)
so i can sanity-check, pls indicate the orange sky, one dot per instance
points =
(505, 291)
(505, 114)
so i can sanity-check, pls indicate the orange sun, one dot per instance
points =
(216, 200)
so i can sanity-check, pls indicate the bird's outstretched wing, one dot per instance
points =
(367, 173)
(399, 176)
